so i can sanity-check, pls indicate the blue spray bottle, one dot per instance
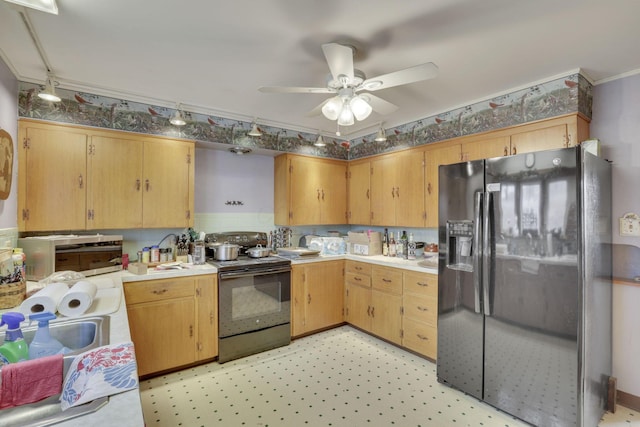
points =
(15, 348)
(43, 343)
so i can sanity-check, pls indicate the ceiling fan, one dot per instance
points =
(346, 82)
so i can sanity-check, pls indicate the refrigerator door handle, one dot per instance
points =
(477, 250)
(487, 251)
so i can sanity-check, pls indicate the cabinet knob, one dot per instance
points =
(308, 298)
(147, 184)
(80, 182)
(506, 151)
(421, 308)
(159, 291)
(422, 337)
(514, 150)
(429, 188)
(422, 284)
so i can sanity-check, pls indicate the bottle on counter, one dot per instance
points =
(392, 246)
(385, 243)
(15, 348)
(405, 246)
(399, 246)
(411, 247)
(154, 254)
(145, 255)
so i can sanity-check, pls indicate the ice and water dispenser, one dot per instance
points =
(460, 245)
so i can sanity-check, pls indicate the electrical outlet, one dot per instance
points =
(630, 225)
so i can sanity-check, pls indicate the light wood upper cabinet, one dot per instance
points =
(168, 175)
(309, 190)
(317, 296)
(442, 154)
(359, 186)
(52, 178)
(72, 178)
(397, 187)
(547, 138)
(115, 183)
(486, 148)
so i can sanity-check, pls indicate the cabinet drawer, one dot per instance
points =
(358, 267)
(387, 280)
(358, 279)
(421, 283)
(420, 307)
(156, 290)
(420, 337)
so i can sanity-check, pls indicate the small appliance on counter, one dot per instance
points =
(87, 254)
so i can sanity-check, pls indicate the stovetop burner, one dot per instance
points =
(245, 262)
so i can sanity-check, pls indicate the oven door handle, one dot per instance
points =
(251, 273)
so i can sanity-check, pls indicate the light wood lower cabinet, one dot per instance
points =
(173, 322)
(420, 313)
(317, 296)
(374, 299)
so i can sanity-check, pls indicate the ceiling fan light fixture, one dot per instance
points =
(255, 132)
(331, 109)
(346, 116)
(49, 93)
(360, 107)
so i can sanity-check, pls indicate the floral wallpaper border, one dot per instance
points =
(557, 97)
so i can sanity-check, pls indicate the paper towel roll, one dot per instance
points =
(78, 299)
(46, 299)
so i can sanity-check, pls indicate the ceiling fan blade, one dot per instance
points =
(402, 77)
(317, 110)
(340, 60)
(379, 105)
(286, 89)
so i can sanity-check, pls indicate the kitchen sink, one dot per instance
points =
(79, 335)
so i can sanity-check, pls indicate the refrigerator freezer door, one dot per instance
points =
(460, 327)
(531, 329)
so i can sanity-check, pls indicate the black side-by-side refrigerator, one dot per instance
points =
(524, 298)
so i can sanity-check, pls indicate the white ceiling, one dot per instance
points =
(212, 56)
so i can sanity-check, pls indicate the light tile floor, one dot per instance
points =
(341, 377)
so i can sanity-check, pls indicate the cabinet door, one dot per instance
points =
(167, 184)
(325, 295)
(358, 306)
(537, 140)
(52, 179)
(359, 193)
(486, 148)
(163, 334)
(383, 191)
(114, 195)
(306, 187)
(386, 316)
(443, 155)
(333, 192)
(298, 300)
(207, 323)
(409, 166)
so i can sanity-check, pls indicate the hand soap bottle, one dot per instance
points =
(15, 348)
(43, 343)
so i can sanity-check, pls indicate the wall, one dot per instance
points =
(233, 193)
(9, 123)
(616, 122)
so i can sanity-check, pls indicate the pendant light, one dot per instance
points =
(49, 93)
(319, 142)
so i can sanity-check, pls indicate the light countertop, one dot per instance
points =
(373, 259)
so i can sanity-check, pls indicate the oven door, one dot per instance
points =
(252, 300)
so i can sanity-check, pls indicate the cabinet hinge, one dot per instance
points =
(89, 214)
(189, 158)
(188, 214)
(198, 292)
(347, 175)
(26, 143)
(401, 333)
(92, 149)
(25, 214)
(290, 214)
(200, 346)
(402, 310)
(290, 168)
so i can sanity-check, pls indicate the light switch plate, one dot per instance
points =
(630, 224)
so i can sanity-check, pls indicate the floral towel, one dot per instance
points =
(103, 371)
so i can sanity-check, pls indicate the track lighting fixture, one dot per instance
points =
(319, 142)
(177, 119)
(381, 136)
(255, 132)
(49, 93)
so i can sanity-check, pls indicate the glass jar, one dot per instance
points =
(164, 254)
(145, 255)
(155, 253)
